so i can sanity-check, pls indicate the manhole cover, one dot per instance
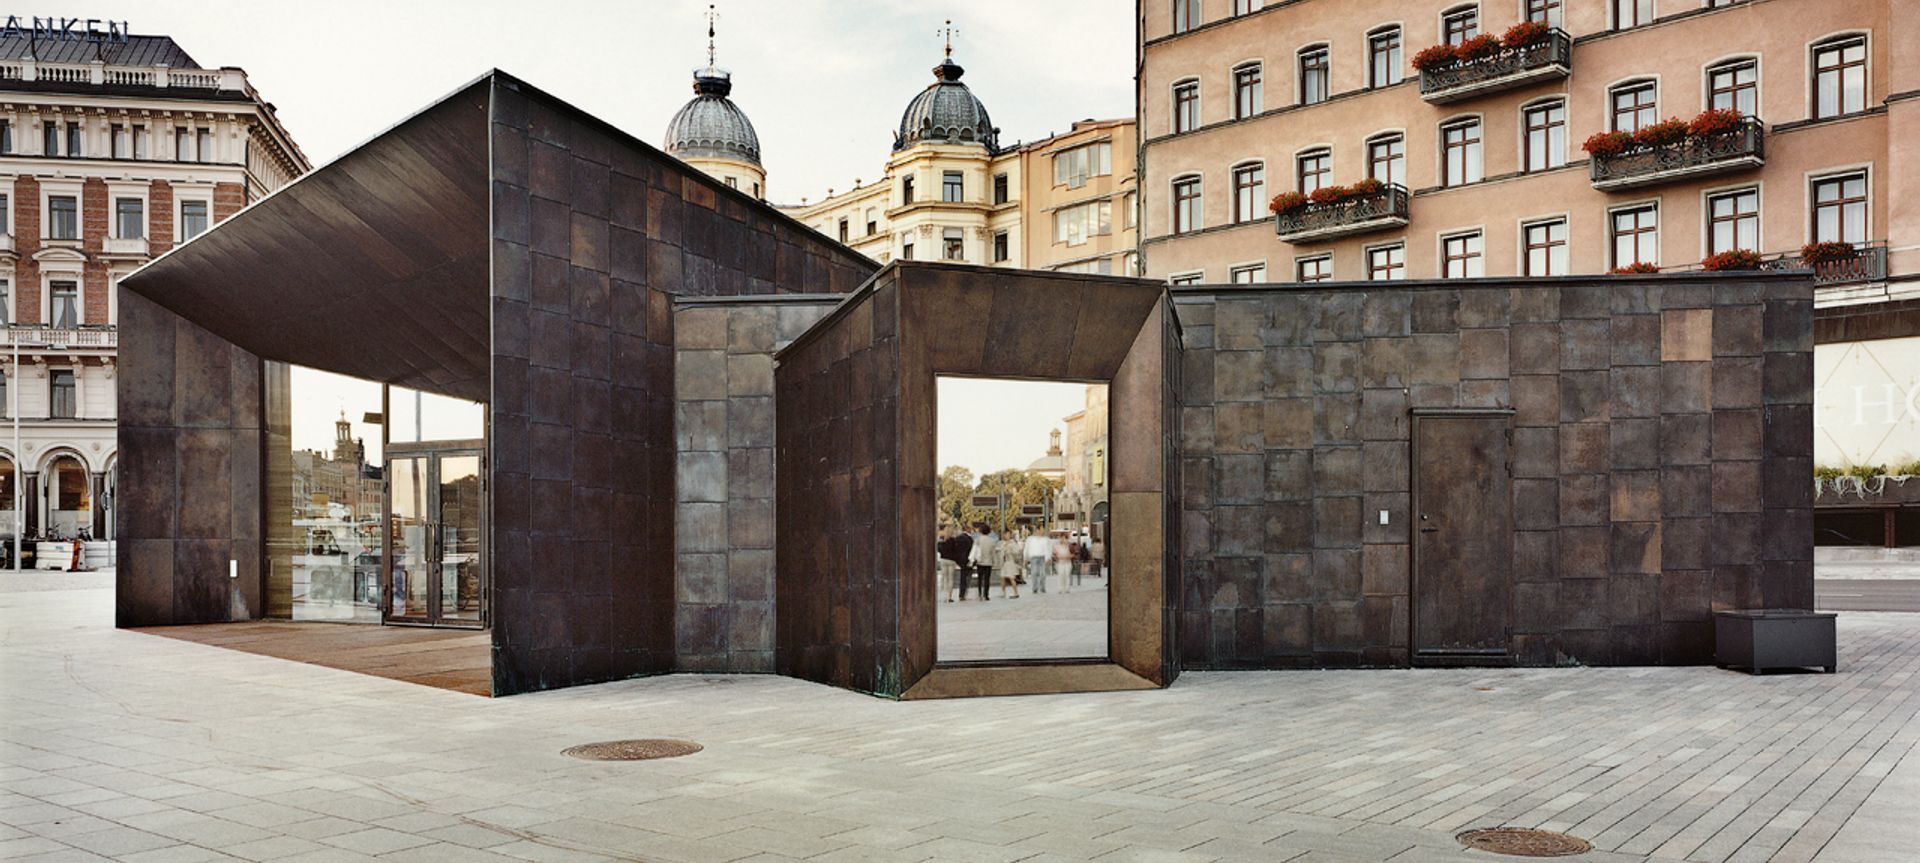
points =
(1524, 842)
(632, 750)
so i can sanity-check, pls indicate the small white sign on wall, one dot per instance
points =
(1866, 402)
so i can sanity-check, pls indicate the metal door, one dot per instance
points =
(436, 550)
(1463, 538)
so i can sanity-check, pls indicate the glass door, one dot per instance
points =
(436, 538)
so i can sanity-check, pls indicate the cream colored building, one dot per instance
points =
(1083, 490)
(114, 148)
(950, 192)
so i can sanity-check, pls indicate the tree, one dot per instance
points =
(955, 493)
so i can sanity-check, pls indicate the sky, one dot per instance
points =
(988, 425)
(824, 81)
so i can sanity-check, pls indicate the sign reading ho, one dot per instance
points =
(64, 29)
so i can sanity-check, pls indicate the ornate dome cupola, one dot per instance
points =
(713, 134)
(946, 112)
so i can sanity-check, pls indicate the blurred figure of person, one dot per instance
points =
(1038, 549)
(1085, 558)
(943, 550)
(981, 557)
(1063, 561)
(956, 549)
(1008, 560)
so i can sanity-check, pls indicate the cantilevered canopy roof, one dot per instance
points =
(375, 265)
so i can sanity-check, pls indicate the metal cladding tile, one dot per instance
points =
(1737, 435)
(1287, 371)
(1536, 555)
(1686, 335)
(1396, 505)
(952, 321)
(1789, 430)
(1337, 471)
(1788, 326)
(1635, 391)
(1536, 504)
(1336, 367)
(1336, 316)
(1584, 447)
(1585, 551)
(1787, 378)
(1736, 486)
(1386, 362)
(1243, 323)
(1637, 340)
(1435, 359)
(1635, 496)
(1483, 352)
(1583, 499)
(1738, 331)
(1784, 482)
(1533, 305)
(1436, 311)
(1387, 313)
(1586, 344)
(1534, 348)
(1109, 319)
(1634, 443)
(1586, 301)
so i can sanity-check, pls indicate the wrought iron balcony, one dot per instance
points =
(1378, 211)
(1727, 152)
(1550, 57)
(1868, 264)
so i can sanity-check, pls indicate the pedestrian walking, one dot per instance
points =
(957, 547)
(1039, 550)
(981, 557)
(1008, 560)
(1063, 561)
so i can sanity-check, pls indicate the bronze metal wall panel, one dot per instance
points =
(1661, 447)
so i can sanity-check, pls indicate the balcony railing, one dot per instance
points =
(1868, 264)
(1737, 150)
(41, 336)
(98, 72)
(1379, 211)
(1550, 57)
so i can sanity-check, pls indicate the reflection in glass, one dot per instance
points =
(330, 548)
(411, 541)
(460, 537)
(1022, 498)
(422, 416)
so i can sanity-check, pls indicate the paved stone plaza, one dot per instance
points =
(127, 746)
(1068, 622)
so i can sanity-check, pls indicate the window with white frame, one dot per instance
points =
(1248, 274)
(1074, 225)
(203, 144)
(1387, 263)
(1840, 77)
(1463, 256)
(1185, 279)
(193, 218)
(1546, 137)
(6, 213)
(1312, 170)
(1186, 204)
(1384, 57)
(63, 303)
(1461, 153)
(1001, 248)
(1387, 159)
(1247, 96)
(1243, 7)
(1544, 245)
(1315, 75)
(1072, 168)
(63, 217)
(1186, 106)
(1733, 221)
(1547, 12)
(1840, 208)
(50, 138)
(1636, 235)
(1249, 191)
(1318, 268)
(953, 244)
(1632, 13)
(1735, 86)
(62, 392)
(953, 187)
(1634, 104)
(6, 301)
(122, 138)
(129, 218)
(1459, 24)
(1186, 15)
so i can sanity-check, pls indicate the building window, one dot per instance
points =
(74, 148)
(6, 302)
(1186, 204)
(1546, 247)
(193, 219)
(1313, 76)
(6, 213)
(1544, 11)
(1246, 91)
(1383, 58)
(1186, 279)
(140, 137)
(1459, 25)
(1840, 77)
(1251, 274)
(63, 217)
(183, 145)
(906, 248)
(999, 246)
(906, 190)
(1463, 256)
(1318, 268)
(1132, 205)
(1387, 159)
(873, 221)
(1546, 136)
(733, 182)
(1186, 106)
(1249, 191)
(952, 187)
(1243, 7)
(1461, 151)
(122, 141)
(1840, 209)
(843, 229)
(1071, 168)
(129, 218)
(6, 137)
(63, 306)
(1312, 170)
(1387, 263)
(204, 145)
(1186, 15)
(61, 402)
(953, 244)
(1733, 221)
(1735, 86)
(1634, 105)
(1636, 236)
(50, 139)
(1074, 225)
(999, 189)
(1632, 13)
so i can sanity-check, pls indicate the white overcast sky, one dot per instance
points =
(824, 81)
(988, 425)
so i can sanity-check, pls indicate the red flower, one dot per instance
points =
(1368, 186)
(1669, 131)
(1635, 268)
(1607, 143)
(1483, 45)
(1328, 194)
(1715, 121)
(1828, 252)
(1525, 33)
(1287, 202)
(1735, 259)
(1433, 58)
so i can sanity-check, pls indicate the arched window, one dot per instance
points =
(1461, 149)
(1735, 85)
(1249, 190)
(1186, 204)
(1459, 24)
(1387, 158)
(1315, 74)
(1246, 90)
(1313, 169)
(1839, 76)
(1544, 144)
(1186, 105)
(1634, 104)
(1384, 63)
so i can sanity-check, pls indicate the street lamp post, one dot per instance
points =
(19, 525)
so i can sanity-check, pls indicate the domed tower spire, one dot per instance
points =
(713, 134)
(946, 112)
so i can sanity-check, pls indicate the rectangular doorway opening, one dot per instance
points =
(1463, 538)
(1021, 500)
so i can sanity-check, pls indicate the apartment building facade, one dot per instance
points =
(112, 151)
(1482, 160)
(950, 192)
